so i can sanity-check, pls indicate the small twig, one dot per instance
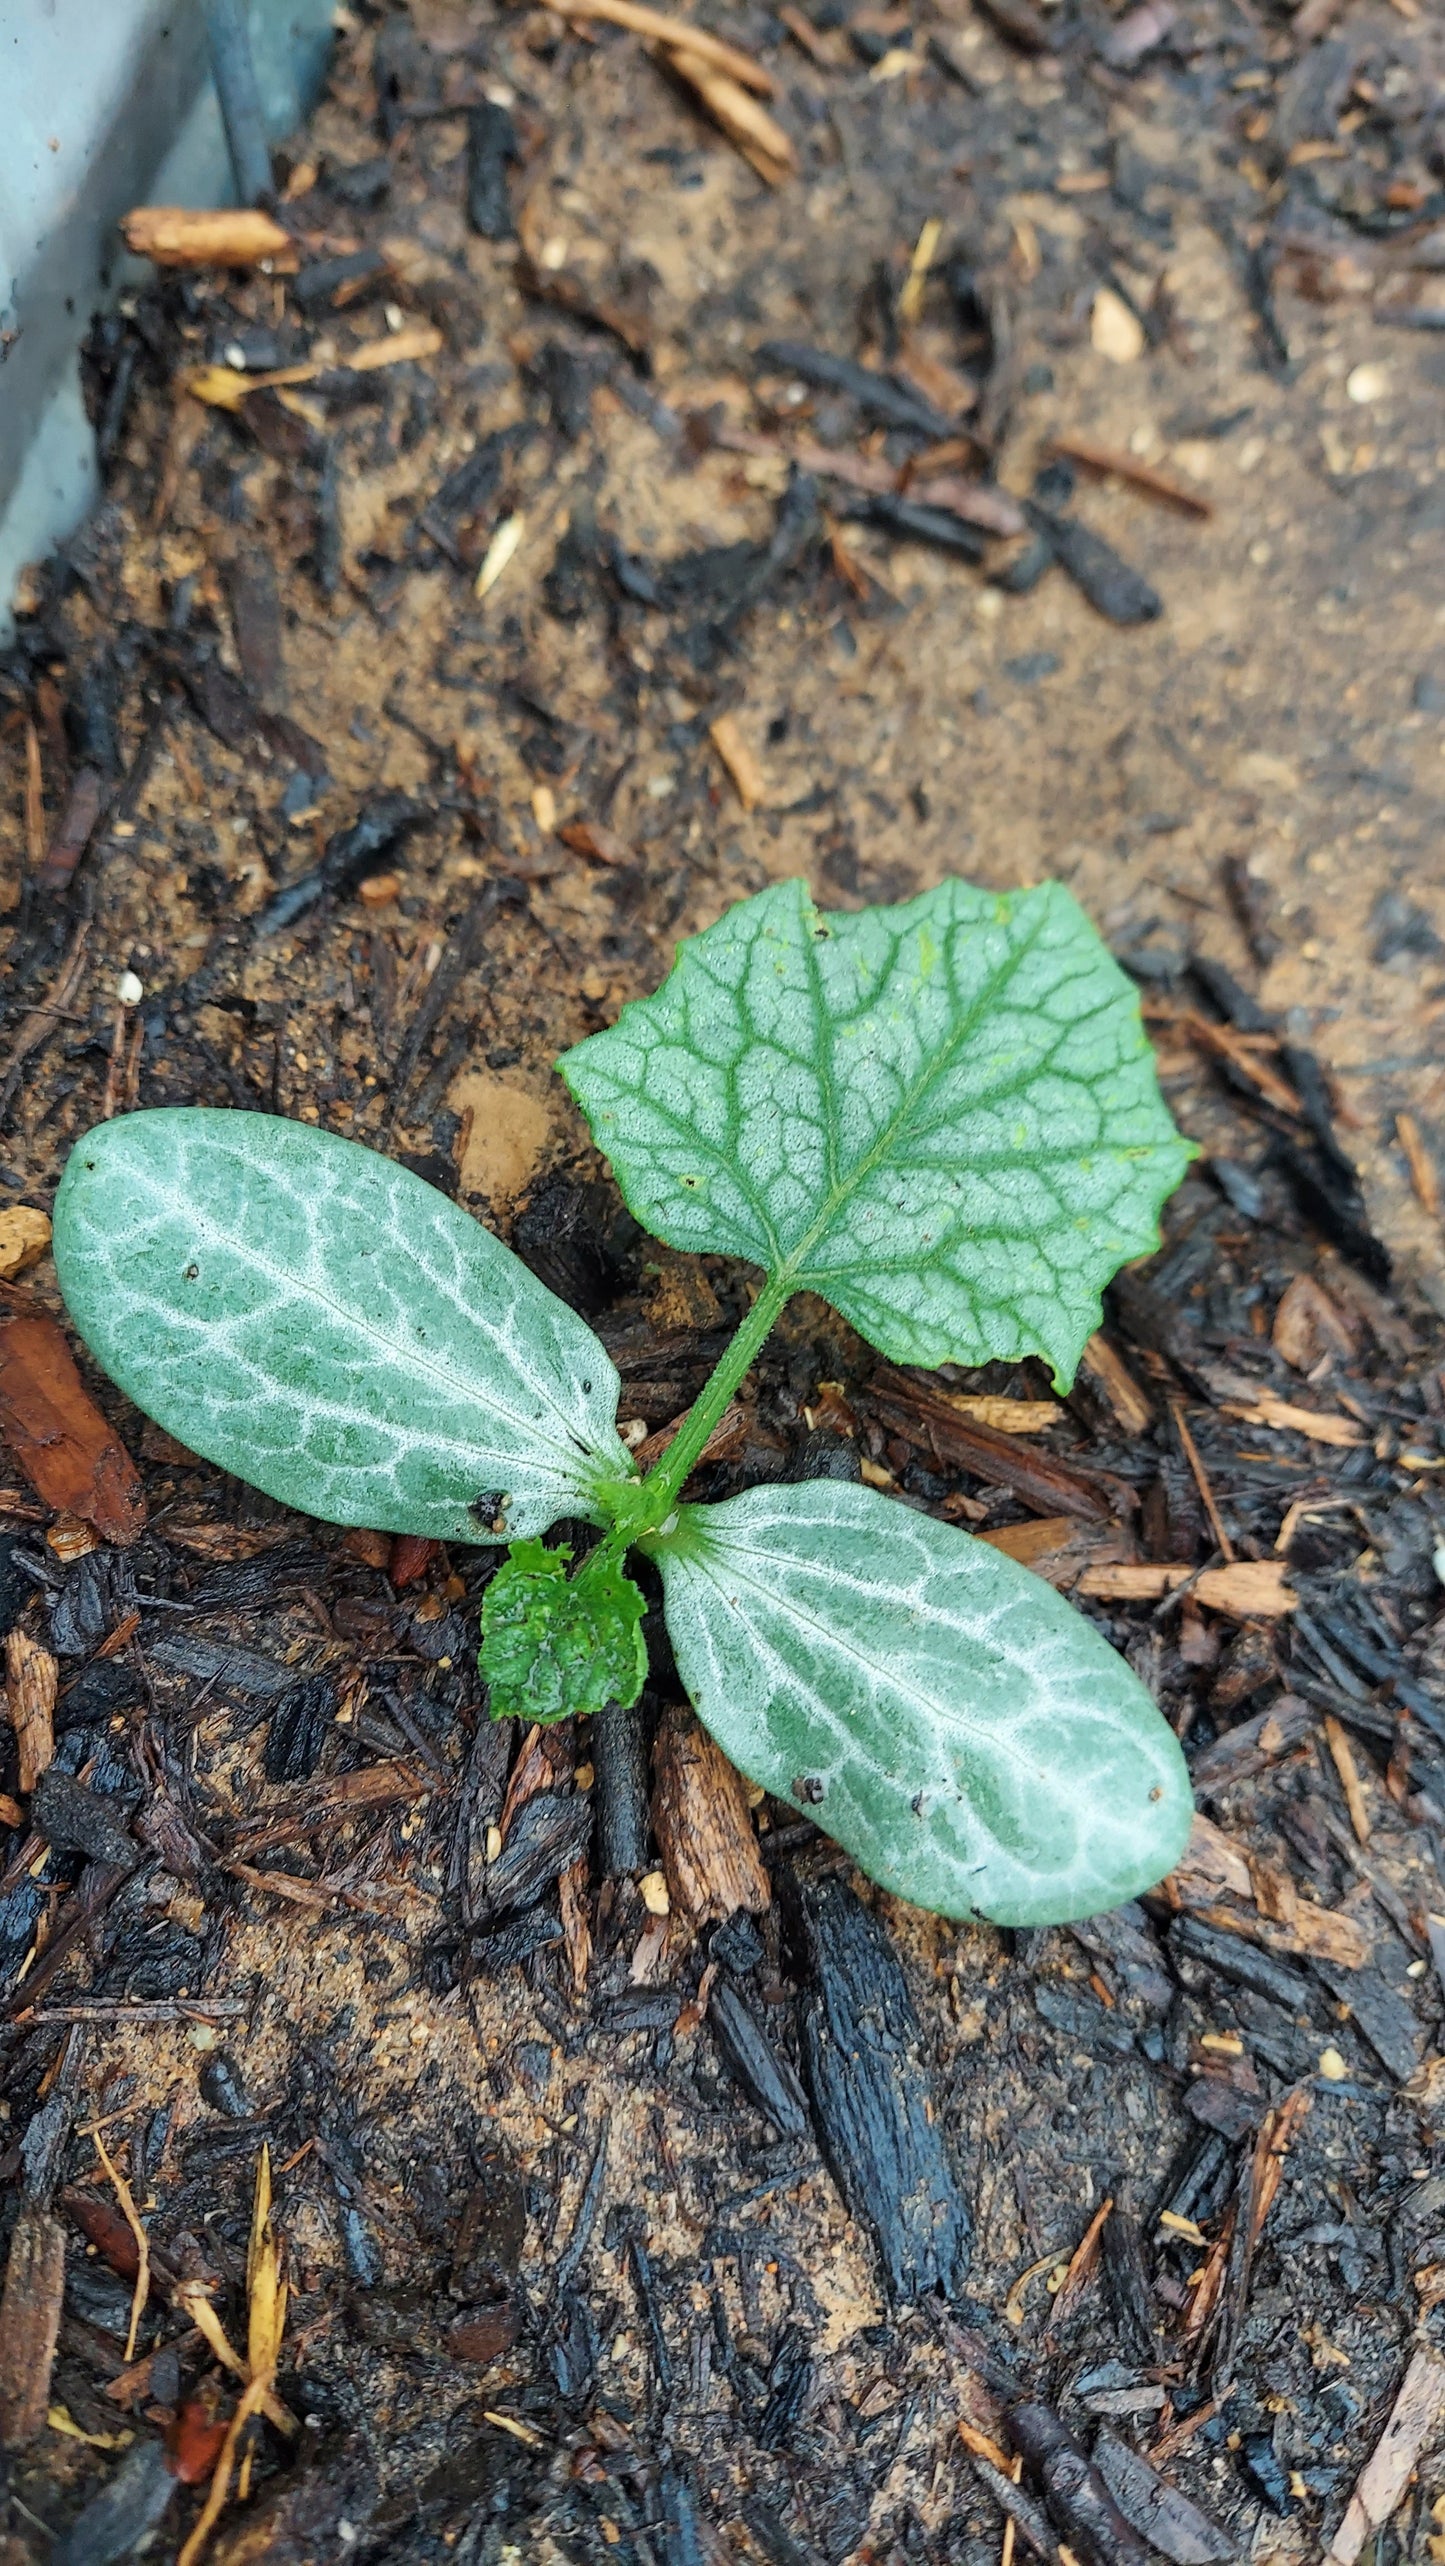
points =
(41, 1024)
(1201, 1480)
(34, 800)
(676, 33)
(142, 2242)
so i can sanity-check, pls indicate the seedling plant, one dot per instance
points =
(943, 1117)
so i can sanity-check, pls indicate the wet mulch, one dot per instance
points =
(581, 535)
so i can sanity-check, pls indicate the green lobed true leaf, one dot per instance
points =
(555, 1646)
(942, 1116)
(970, 1738)
(318, 1320)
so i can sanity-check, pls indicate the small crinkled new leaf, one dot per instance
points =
(972, 1740)
(555, 1647)
(942, 1116)
(318, 1320)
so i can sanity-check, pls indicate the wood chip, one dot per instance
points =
(1007, 1416)
(55, 1430)
(1343, 1759)
(24, 1238)
(1102, 1364)
(1414, 2422)
(1247, 1590)
(1213, 1866)
(703, 1825)
(676, 34)
(1281, 1416)
(1031, 1542)
(32, 1686)
(409, 346)
(186, 236)
(1128, 467)
(1423, 1173)
(744, 768)
(30, 2324)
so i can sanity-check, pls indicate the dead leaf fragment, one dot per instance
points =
(32, 1688)
(188, 236)
(738, 758)
(24, 1238)
(589, 838)
(63, 1444)
(1308, 1325)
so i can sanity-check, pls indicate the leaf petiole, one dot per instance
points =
(639, 1507)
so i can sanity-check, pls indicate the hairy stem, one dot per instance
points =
(643, 1505)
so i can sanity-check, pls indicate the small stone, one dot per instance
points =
(379, 889)
(1332, 2066)
(653, 1888)
(24, 1238)
(130, 989)
(1114, 330)
(1368, 383)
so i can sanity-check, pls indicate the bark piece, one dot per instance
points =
(30, 2324)
(619, 1754)
(32, 1684)
(703, 1825)
(932, 1421)
(1254, 1744)
(55, 1430)
(76, 1820)
(768, 2080)
(873, 2099)
(1167, 2519)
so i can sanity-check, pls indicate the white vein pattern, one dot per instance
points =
(943, 1116)
(971, 1739)
(317, 1319)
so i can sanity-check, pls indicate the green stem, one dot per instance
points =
(651, 1500)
